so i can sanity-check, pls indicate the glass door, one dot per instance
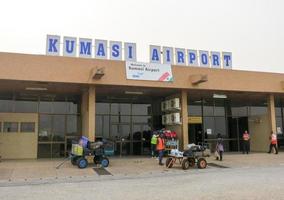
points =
(141, 139)
(120, 133)
(51, 136)
(237, 125)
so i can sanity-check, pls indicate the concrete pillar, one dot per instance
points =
(271, 113)
(184, 117)
(88, 113)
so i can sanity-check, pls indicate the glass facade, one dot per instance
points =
(59, 120)
(228, 116)
(128, 125)
(59, 124)
(279, 106)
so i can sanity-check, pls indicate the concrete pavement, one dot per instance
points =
(44, 170)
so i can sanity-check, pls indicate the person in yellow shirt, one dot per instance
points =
(154, 141)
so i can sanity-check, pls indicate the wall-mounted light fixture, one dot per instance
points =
(219, 96)
(134, 92)
(36, 88)
(198, 78)
(98, 73)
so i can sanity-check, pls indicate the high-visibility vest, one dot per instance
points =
(246, 136)
(161, 144)
(154, 139)
(273, 139)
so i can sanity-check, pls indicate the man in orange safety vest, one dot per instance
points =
(161, 147)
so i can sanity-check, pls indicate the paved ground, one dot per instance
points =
(254, 176)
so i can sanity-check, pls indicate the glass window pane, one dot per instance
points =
(240, 111)
(114, 132)
(141, 119)
(258, 110)
(6, 105)
(209, 124)
(114, 109)
(60, 105)
(72, 125)
(219, 107)
(124, 131)
(57, 150)
(45, 107)
(106, 127)
(125, 109)
(114, 119)
(194, 110)
(72, 107)
(219, 111)
(208, 110)
(125, 119)
(73, 104)
(279, 125)
(102, 108)
(58, 127)
(278, 111)
(99, 125)
(140, 109)
(220, 125)
(44, 151)
(28, 127)
(45, 127)
(26, 106)
(10, 127)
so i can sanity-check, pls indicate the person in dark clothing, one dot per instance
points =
(220, 146)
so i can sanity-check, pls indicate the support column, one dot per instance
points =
(184, 116)
(88, 113)
(271, 113)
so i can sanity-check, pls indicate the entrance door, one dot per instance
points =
(137, 143)
(120, 133)
(51, 138)
(236, 127)
(195, 133)
(141, 143)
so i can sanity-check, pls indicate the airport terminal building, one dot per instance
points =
(48, 101)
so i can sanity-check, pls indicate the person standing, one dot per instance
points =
(220, 146)
(246, 142)
(273, 142)
(154, 141)
(161, 148)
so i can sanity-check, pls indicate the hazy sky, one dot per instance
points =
(253, 30)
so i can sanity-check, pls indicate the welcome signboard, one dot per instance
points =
(116, 50)
(148, 71)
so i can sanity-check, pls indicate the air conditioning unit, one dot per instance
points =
(175, 104)
(168, 104)
(164, 119)
(168, 119)
(163, 106)
(175, 118)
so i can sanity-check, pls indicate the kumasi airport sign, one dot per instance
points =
(117, 50)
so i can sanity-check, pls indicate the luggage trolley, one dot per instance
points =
(194, 155)
(94, 152)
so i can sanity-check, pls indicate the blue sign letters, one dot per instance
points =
(85, 48)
